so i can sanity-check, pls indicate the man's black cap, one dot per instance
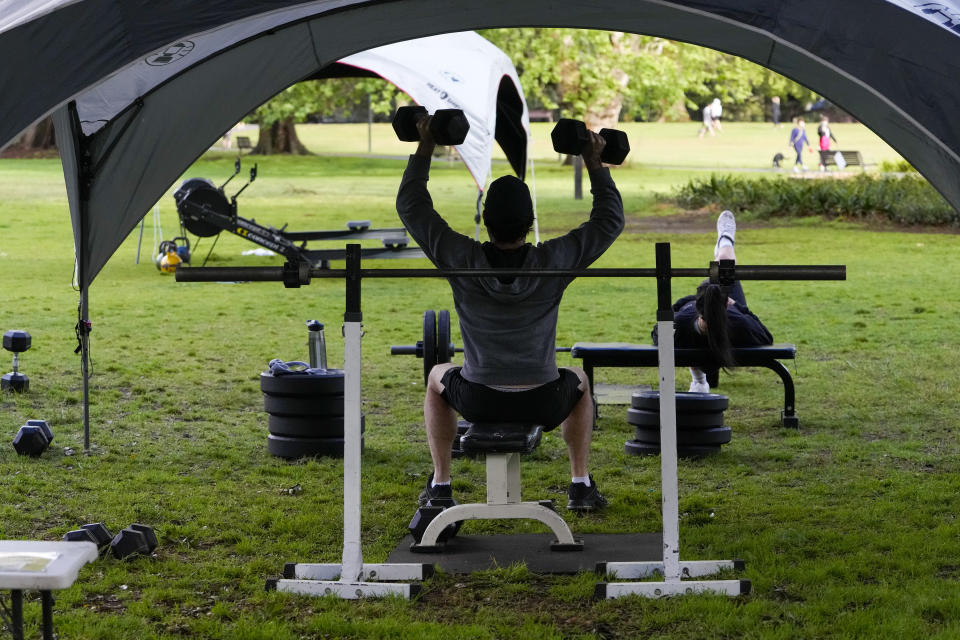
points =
(508, 208)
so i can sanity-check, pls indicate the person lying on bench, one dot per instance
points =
(509, 325)
(714, 320)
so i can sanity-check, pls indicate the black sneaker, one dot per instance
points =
(442, 492)
(583, 498)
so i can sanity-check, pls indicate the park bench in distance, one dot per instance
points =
(850, 159)
(621, 354)
(243, 142)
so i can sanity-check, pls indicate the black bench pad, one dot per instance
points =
(623, 354)
(501, 437)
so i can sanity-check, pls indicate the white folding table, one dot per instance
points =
(41, 566)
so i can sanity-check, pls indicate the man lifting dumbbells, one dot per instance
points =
(508, 325)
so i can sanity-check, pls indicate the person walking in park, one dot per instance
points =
(715, 319)
(798, 140)
(775, 110)
(716, 110)
(509, 325)
(711, 118)
(825, 135)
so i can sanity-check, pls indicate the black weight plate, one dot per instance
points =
(429, 342)
(444, 351)
(686, 402)
(651, 419)
(286, 447)
(636, 448)
(318, 383)
(716, 435)
(303, 406)
(309, 427)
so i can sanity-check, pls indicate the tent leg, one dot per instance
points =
(83, 335)
(140, 239)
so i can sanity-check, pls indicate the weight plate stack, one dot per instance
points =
(309, 427)
(700, 428)
(292, 448)
(305, 413)
(637, 448)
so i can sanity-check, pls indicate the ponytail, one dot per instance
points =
(712, 306)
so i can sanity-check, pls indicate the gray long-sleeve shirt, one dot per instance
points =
(508, 329)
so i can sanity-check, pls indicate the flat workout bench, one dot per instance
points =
(622, 354)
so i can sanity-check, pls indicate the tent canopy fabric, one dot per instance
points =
(456, 71)
(190, 69)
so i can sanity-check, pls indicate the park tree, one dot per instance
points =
(37, 140)
(606, 76)
(590, 75)
(278, 116)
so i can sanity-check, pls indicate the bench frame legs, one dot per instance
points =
(503, 502)
(788, 416)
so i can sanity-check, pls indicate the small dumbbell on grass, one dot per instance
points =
(447, 126)
(33, 438)
(135, 539)
(95, 532)
(425, 515)
(16, 342)
(570, 137)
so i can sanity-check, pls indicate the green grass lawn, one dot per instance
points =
(849, 527)
(740, 144)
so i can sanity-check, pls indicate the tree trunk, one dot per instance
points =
(279, 137)
(38, 140)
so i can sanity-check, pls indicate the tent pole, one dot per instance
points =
(140, 240)
(477, 217)
(83, 335)
(533, 181)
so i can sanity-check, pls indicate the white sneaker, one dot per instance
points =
(699, 387)
(726, 227)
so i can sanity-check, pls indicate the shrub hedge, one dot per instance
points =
(907, 199)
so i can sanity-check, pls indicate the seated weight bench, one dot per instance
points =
(502, 443)
(621, 354)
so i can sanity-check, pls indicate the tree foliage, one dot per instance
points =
(601, 77)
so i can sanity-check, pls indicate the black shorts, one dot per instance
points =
(547, 405)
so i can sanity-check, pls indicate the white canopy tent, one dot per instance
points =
(458, 71)
(191, 69)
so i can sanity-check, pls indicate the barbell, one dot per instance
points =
(294, 275)
(436, 347)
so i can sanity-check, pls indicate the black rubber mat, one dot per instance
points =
(466, 553)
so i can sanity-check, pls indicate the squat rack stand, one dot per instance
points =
(353, 579)
(671, 568)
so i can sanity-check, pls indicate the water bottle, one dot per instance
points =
(317, 345)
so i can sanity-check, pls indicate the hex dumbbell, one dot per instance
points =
(16, 341)
(135, 539)
(95, 532)
(570, 137)
(425, 515)
(33, 438)
(447, 126)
